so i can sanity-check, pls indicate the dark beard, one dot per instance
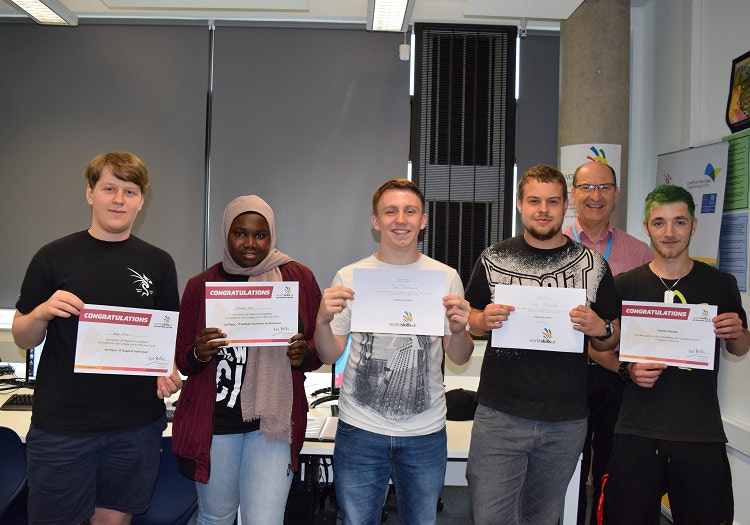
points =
(544, 236)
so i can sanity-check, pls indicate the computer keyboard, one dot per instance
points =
(18, 402)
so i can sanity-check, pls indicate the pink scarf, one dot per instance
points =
(266, 391)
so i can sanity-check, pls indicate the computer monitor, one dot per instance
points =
(33, 355)
(337, 378)
(337, 369)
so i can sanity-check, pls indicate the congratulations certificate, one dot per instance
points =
(673, 334)
(125, 341)
(541, 320)
(398, 301)
(253, 314)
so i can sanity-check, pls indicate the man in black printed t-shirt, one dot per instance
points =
(531, 420)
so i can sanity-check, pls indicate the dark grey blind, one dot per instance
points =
(313, 121)
(463, 143)
(71, 93)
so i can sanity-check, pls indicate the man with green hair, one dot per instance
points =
(669, 436)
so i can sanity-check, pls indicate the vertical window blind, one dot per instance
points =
(463, 138)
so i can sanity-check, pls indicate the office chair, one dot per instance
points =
(174, 500)
(13, 471)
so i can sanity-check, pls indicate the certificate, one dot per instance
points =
(541, 320)
(673, 334)
(398, 301)
(125, 341)
(253, 314)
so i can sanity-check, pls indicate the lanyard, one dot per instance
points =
(609, 243)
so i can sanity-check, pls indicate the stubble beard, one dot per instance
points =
(544, 236)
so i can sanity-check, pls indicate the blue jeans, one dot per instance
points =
(248, 473)
(363, 461)
(519, 469)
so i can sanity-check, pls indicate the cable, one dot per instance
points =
(325, 390)
(325, 399)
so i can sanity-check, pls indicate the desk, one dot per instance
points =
(459, 432)
(459, 435)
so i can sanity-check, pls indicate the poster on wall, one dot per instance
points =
(571, 157)
(733, 247)
(703, 172)
(738, 103)
(738, 172)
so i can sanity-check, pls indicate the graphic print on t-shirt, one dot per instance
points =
(142, 283)
(393, 381)
(229, 371)
(569, 268)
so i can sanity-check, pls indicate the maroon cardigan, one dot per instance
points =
(192, 428)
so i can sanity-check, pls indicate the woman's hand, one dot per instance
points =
(297, 350)
(207, 343)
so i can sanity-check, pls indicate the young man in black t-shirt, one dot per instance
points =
(531, 420)
(669, 436)
(94, 442)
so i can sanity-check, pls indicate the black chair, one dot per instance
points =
(13, 470)
(174, 500)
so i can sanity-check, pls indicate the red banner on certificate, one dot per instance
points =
(674, 334)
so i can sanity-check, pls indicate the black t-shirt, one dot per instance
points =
(129, 273)
(683, 404)
(533, 384)
(231, 363)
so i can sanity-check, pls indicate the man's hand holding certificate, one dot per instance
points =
(673, 334)
(399, 301)
(541, 319)
(126, 341)
(253, 314)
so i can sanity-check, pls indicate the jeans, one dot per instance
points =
(248, 473)
(363, 462)
(518, 469)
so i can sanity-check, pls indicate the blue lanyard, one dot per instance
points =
(609, 243)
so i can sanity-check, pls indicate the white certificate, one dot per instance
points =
(541, 320)
(673, 334)
(398, 301)
(253, 314)
(125, 341)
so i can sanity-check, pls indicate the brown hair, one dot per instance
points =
(543, 173)
(125, 166)
(395, 184)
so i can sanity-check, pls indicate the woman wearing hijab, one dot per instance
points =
(241, 417)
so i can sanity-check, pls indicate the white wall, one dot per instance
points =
(682, 53)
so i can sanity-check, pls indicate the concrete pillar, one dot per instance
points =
(595, 82)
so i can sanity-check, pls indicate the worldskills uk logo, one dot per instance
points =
(166, 322)
(599, 155)
(703, 316)
(285, 293)
(546, 338)
(711, 172)
(407, 321)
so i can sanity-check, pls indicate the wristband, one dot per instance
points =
(195, 353)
